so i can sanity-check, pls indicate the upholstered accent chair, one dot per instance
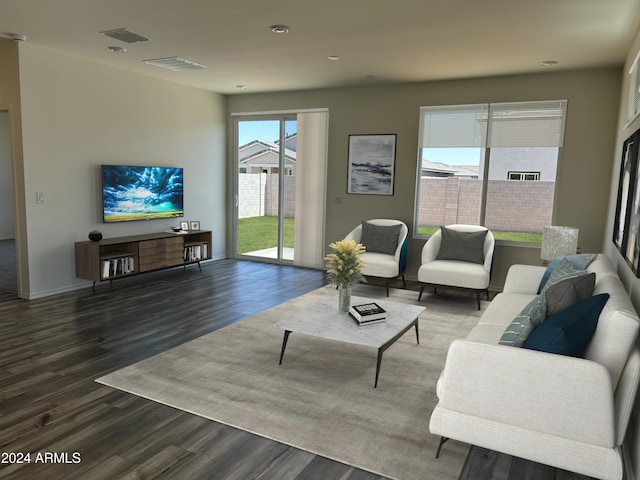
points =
(386, 243)
(458, 256)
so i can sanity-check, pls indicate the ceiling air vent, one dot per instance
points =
(177, 64)
(125, 35)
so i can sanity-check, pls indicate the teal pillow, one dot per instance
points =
(380, 238)
(562, 271)
(579, 260)
(521, 327)
(462, 246)
(570, 331)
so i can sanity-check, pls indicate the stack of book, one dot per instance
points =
(367, 313)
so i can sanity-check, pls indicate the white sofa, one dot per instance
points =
(570, 413)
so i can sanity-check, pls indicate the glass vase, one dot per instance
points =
(344, 298)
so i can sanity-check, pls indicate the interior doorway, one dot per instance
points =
(8, 270)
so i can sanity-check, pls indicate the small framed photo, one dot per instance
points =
(184, 225)
(195, 225)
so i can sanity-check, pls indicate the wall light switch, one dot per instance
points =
(40, 198)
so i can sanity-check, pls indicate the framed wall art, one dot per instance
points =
(626, 228)
(372, 161)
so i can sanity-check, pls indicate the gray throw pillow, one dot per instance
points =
(380, 238)
(562, 271)
(462, 246)
(568, 292)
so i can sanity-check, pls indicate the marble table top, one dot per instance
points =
(322, 319)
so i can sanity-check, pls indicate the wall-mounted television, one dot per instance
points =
(141, 193)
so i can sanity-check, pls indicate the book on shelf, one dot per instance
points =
(367, 313)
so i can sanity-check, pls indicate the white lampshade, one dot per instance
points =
(558, 241)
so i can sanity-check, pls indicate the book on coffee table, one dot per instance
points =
(367, 313)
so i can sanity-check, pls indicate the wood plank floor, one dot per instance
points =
(52, 349)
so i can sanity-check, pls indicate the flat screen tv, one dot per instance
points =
(141, 193)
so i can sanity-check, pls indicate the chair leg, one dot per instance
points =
(478, 299)
(386, 283)
(443, 440)
(421, 290)
(404, 284)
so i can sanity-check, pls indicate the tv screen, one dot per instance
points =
(141, 193)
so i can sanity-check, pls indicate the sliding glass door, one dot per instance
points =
(266, 188)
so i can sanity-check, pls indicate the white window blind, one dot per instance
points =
(311, 182)
(527, 124)
(453, 126)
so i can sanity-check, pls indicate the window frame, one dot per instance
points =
(549, 114)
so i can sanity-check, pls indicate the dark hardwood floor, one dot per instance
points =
(52, 349)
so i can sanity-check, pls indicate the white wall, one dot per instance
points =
(6, 180)
(77, 115)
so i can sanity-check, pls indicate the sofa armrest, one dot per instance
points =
(523, 279)
(553, 394)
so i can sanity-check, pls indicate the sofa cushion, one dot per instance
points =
(617, 329)
(570, 331)
(563, 270)
(568, 292)
(524, 323)
(461, 246)
(580, 261)
(459, 274)
(380, 238)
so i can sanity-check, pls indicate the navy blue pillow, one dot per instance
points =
(570, 331)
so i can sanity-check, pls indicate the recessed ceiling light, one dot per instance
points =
(333, 57)
(242, 87)
(117, 49)
(17, 37)
(548, 63)
(279, 28)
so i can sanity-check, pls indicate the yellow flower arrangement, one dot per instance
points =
(344, 265)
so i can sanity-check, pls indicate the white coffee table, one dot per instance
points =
(323, 320)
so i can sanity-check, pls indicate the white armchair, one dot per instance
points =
(461, 261)
(386, 246)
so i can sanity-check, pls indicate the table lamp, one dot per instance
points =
(557, 241)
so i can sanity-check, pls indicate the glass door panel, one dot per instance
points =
(265, 188)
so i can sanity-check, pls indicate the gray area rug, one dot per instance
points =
(321, 399)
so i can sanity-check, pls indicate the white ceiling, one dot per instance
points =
(393, 41)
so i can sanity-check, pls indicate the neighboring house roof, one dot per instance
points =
(438, 169)
(264, 152)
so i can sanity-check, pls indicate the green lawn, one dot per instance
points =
(257, 233)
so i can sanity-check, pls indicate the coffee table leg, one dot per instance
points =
(284, 345)
(380, 352)
(417, 335)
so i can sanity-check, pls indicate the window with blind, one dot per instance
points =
(466, 156)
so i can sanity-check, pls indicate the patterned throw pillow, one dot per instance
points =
(580, 261)
(521, 327)
(562, 271)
